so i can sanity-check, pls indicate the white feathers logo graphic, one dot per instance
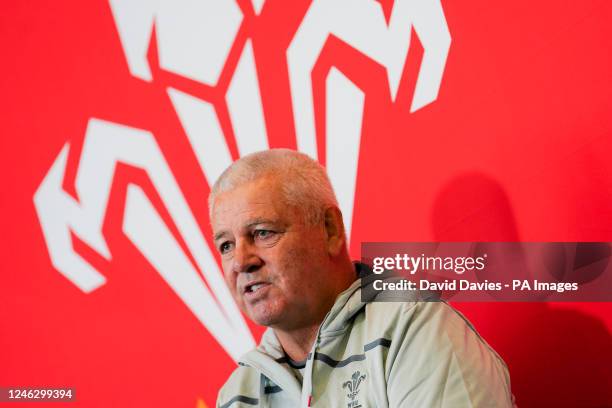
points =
(194, 38)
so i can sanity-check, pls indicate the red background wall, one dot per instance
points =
(516, 147)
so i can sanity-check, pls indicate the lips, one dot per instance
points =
(254, 287)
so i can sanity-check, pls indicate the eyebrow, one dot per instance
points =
(257, 221)
(251, 223)
(219, 235)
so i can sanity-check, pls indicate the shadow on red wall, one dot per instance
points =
(557, 356)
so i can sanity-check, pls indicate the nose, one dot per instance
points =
(245, 257)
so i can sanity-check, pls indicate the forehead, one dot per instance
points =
(255, 200)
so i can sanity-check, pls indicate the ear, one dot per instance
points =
(334, 229)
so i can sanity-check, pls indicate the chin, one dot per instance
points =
(264, 317)
(264, 322)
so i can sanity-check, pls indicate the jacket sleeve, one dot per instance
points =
(242, 386)
(437, 359)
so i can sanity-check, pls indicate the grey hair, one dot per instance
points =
(304, 182)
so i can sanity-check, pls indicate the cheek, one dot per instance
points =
(230, 279)
(298, 268)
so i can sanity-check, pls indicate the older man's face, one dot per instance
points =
(274, 263)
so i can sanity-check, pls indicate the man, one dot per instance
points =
(281, 238)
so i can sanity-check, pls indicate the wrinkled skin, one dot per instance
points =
(263, 240)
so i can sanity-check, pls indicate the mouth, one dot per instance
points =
(256, 287)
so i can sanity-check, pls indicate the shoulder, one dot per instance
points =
(434, 344)
(385, 318)
(242, 385)
(422, 314)
(425, 327)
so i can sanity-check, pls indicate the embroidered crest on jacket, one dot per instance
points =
(353, 387)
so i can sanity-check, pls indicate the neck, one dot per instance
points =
(297, 343)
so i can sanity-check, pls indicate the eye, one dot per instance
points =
(262, 234)
(225, 247)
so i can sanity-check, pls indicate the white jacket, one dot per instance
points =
(377, 354)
